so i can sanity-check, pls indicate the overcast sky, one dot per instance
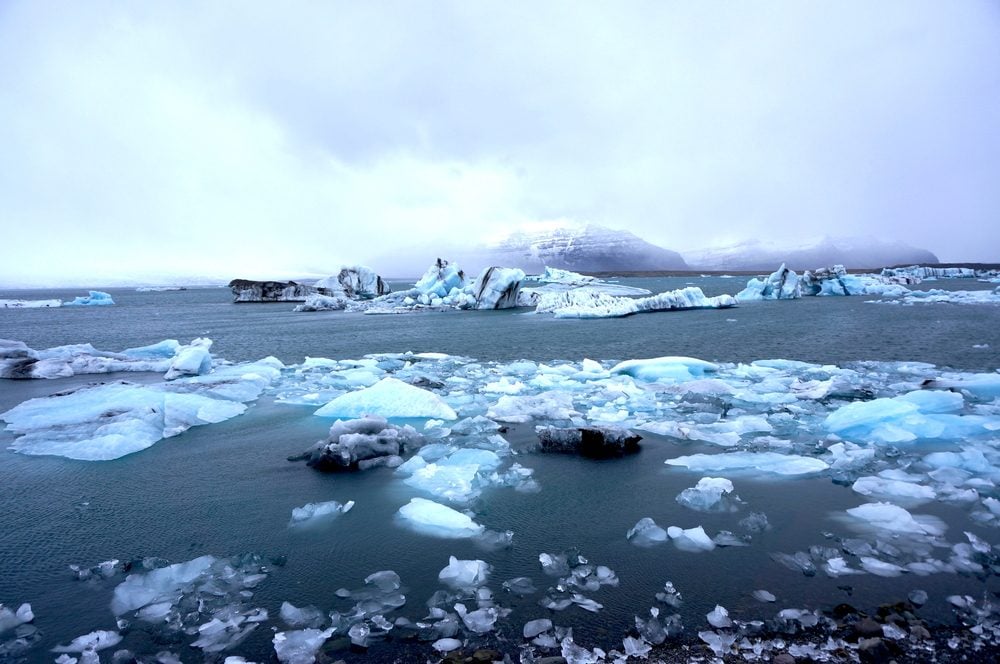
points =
(144, 140)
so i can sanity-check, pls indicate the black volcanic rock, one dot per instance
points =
(593, 442)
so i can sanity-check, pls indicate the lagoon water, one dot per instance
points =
(228, 489)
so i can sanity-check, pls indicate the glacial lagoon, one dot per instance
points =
(227, 490)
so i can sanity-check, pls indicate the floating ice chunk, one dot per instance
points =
(317, 302)
(99, 640)
(390, 397)
(430, 518)
(464, 574)
(533, 628)
(719, 642)
(837, 566)
(636, 647)
(719, 617)
(881, 568)
(314, 512)
(892, 518)
(710, 494)
(600, 302)
(764, 596)
(299, 646)
(450, 482)
(497, 288)
(981, 386)
(104, 422)
(30, 304)
(307, 616)
(191, 360)
(479, 621)
(94, 299)
(766, 462)
(159, 585)
(525, 408)
(363, 442)
(646, 533)
(11, 619)
(908, 417)
(906, 493)
(690, 539)
(665, 369)
(446, 645)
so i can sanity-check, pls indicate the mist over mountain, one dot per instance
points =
(851, 252)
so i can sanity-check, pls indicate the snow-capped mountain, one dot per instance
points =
(851, 252)
(581, 248)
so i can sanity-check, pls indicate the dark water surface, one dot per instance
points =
(227, 489)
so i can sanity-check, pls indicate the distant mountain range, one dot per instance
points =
(851, 252)
(581, 248)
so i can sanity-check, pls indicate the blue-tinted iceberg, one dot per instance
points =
(782, 284)
(671, 368)
(94, 299)
(390, 397)
(919, 415)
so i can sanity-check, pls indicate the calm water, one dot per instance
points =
(228, 489)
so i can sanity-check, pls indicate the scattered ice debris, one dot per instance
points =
(710, 494)
(578, 575)
(646, 533)
(95, 641)
(312, 513)
(430, 518)
(390, 397)
(595, 442)
(765, 462)
(362, 443)
(546, 406)
(93, 299)
(308, 616)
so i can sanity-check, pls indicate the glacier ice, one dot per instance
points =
(552, 405)
(917, 415)
(362, 443)
(594, 302)
(710, 494)
(765, 462)
(19, 361)
(893, 518)
(300, 646)
(595, 442)
(93, 299)
(390, 397)
(464, 574)
(312, 513)
(665, 368)
(782, 284)
(191, 360)
(430, 518)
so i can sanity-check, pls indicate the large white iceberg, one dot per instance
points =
(390, 397)
(430, 518)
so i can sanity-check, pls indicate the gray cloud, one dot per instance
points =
(216, 139)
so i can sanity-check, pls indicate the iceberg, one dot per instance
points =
(782, 284)
(20, 362)
(390, 397)
(690, 539)
(430, 518)
(497, 288)
(317, 302)
(248, 290)
(356, 282)
(353, 444)
(94, 299)
(764, 462)
(592, 302)
(646, 533)
(922, 414)
(441, 279)
(895, 519)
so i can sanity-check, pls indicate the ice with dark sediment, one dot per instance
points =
(19, 361)
(362, 443)
(590, 302)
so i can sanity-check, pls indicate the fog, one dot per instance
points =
(211, 140)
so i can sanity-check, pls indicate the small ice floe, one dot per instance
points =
(764, 596)
(710, 494)
(665, 369)
(314, 513)
(464, 574)
(307, 616)
(898, 491)
(766, 462)
(646, 533)
(362, 443)
(719, 617)
(19, 361)
(390, 397)
(690, 539)
(430, 518)
(300, 646)
(553, 406)
(95, 641)
(895, 519)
